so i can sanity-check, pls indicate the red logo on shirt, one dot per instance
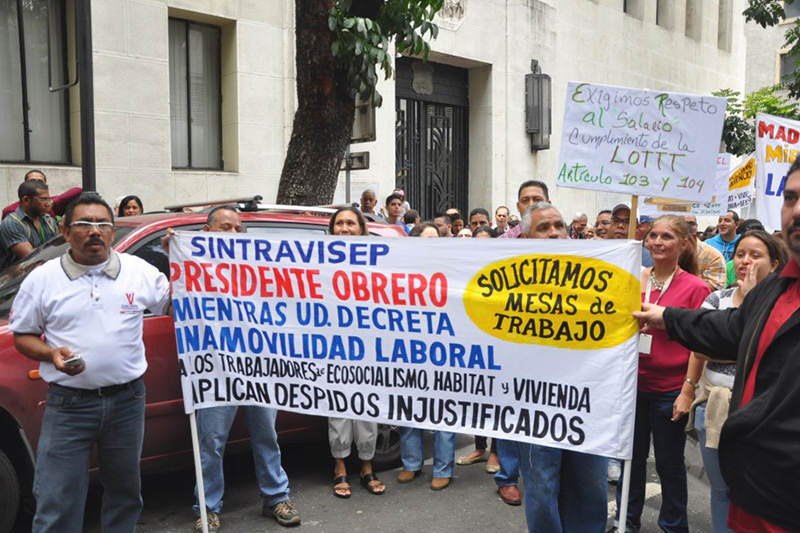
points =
(129, 296)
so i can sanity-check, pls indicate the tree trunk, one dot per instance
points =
(324, 119)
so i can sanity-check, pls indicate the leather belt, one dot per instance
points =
(108, 390)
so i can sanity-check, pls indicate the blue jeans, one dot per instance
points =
(508, 457)
(213, 426)
(653, 413)
(719, 489)
(565, 491)
(73, 422)
(444, 451)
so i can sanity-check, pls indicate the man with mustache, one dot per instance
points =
(80, 316)
(759, 447)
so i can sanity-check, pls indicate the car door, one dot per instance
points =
(166, 424)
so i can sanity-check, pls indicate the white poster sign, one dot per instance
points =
(776, 147)
(636, 141)
(718, 205)
(518, 339)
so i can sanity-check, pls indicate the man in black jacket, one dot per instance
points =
(759, 448)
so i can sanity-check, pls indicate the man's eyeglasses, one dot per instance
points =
(85, 225)
(617, 220)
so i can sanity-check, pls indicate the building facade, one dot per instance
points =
(194, 99)
(767, 57)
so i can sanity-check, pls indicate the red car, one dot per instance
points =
(166, 437)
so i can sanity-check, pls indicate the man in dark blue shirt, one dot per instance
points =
(30, 225)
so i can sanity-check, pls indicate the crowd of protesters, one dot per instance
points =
(694, 376)
(680, 392)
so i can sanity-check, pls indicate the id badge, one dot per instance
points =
(645, 344)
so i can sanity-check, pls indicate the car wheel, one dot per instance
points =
(9, 494)
(387, 447)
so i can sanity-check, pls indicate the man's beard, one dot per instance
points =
(793, 241)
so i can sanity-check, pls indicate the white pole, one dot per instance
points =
(198, 471)
(623, 504)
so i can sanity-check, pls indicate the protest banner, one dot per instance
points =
(640, 142)
(718, 205)
(776, 147)
(535, 342)
(741, 184)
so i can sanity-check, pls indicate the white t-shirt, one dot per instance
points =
(720, 374)
(96, 312)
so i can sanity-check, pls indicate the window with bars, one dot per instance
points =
(195, 94)
(35, 121)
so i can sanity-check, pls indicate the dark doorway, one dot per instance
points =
(431, 135)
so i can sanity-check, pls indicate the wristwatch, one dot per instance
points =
(692, 382)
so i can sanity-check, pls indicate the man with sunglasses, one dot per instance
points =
(80, 316)
(30, 225)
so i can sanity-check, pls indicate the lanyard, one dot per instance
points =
(663, 289)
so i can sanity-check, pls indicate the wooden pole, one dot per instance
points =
(634, 216)
(198, 471)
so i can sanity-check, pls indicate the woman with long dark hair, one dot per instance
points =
(757, 254)
(130, 205)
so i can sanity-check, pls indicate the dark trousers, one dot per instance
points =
(480, 443)
(653, 413)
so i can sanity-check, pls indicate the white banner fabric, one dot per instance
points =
(637, 141)
(776, 147)
(516, 339)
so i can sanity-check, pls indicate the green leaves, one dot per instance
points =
(770, 13)
(764, 12)
(738, 131)
(361, 45)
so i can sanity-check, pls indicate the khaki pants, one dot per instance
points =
(342, 431)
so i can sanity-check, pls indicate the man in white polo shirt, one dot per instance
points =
(80, 315)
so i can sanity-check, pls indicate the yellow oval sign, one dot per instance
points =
(565, 301)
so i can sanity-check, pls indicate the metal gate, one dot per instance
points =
(431, 143)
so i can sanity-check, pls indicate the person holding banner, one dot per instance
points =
(214, 425)
(665, 393)
(565, 491)
(757, 254)
(444, 442)
(343, 431)
(759, 447)
(81, 316)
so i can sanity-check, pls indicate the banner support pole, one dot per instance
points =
(623, 504)
(198, 471)
(634, 216)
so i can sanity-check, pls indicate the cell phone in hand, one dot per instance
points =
(75, 361)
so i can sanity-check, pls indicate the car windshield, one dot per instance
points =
(12, 277)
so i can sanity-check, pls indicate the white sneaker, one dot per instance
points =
(614, 471)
